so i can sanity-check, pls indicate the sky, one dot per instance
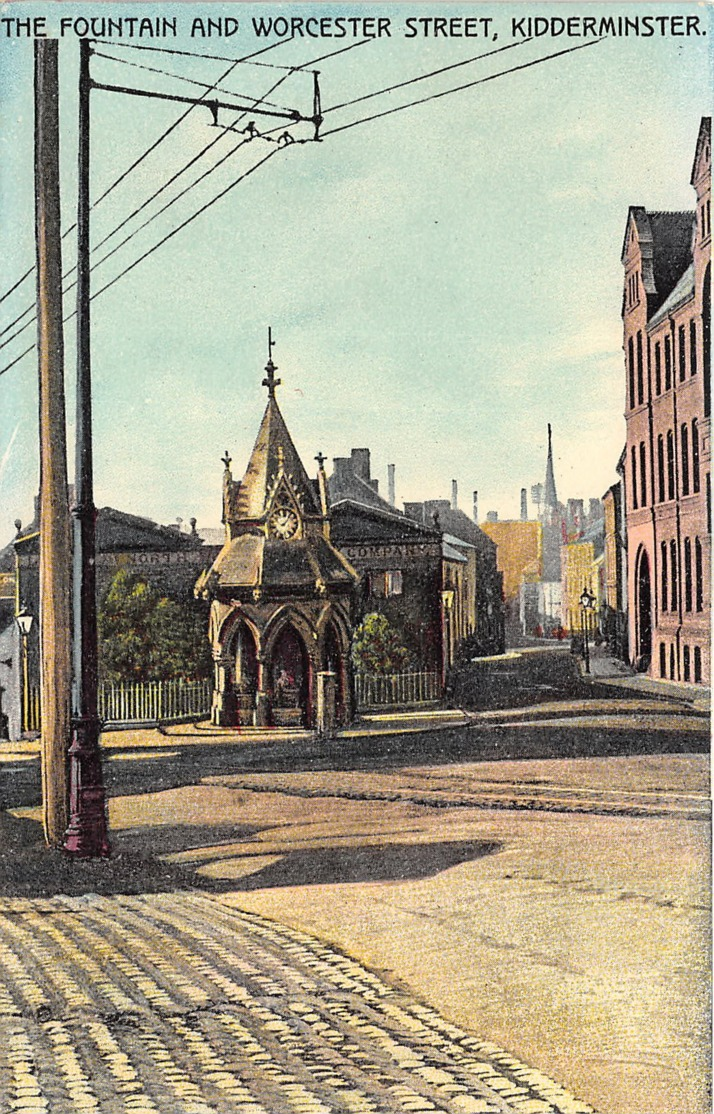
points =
(441, 282)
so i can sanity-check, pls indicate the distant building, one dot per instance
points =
(167, 558)
(613, 607)
(666, 314)
(399, 561)
(471, 572)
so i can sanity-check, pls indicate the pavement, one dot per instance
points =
(176, 1003)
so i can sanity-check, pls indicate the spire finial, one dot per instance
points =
(226, 460)
(321, 458)
(270, 381)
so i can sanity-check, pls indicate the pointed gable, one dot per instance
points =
(703, 152)
(273, 462)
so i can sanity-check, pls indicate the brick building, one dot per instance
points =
(666, 315)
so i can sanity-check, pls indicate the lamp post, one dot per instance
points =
(24, 623)
(587, 603)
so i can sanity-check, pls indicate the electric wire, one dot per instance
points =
(459, 88)
(192, 81)
(424, 76)
(248, 58)
(333, 131)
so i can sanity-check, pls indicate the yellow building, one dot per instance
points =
(581, 570)
(520, 553)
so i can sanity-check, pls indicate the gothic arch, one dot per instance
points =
(643, 608)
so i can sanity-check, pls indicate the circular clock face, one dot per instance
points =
(283, 523)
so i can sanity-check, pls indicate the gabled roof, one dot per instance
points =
(704, 138)
(253, 561)
(346, 484)
(454, 522)
(273, 454)
(665, 241)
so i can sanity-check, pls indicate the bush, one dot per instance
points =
(377, 648)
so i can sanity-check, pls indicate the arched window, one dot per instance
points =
(670, 464)
(685, 459)
(660, 467)
(643, 475)
(631, 370)
(686, 655)
(664, 595)
(682, 346)
(693, 347)
(687, 574)
(640, 371)
(667, 363)
(662, 660)
(671, 661)
(698, 575)
(696, 481)
(674, 603)
(707, 339)
(633, 457)
(697, 663)
(658, 368)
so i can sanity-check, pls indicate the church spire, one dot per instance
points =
(550, 499)
(270, 381)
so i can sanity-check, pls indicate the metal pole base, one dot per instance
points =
(86, 836)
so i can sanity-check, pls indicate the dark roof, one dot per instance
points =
(118, 532)
(254, 561)
(344, 484)
(452, 521)
(273, 453)
(352, 521)
(672, 236)
(682, 292)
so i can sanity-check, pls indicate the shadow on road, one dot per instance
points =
(390, 862)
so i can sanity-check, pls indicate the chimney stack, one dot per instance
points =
(492, 516)
(454, 495)
(390, 484)
(524, 505)
(475, 506)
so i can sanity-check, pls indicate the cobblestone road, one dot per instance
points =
(174, 1003)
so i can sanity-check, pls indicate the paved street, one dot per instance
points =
(528, 875)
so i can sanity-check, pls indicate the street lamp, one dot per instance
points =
(24, 623)
(587, 604)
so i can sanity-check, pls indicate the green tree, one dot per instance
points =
(376, 646)
(146, 636)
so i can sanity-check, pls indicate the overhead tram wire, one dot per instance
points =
(304, 66)
(191, 80)
(334, 131)
(456, 89)
(424, 76)
(247, 59)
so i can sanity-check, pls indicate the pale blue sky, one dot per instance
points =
(441, 283)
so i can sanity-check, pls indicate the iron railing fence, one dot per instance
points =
(400, 689)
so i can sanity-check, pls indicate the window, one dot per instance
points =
(633, 454)
(693, 347)
(393, 582)
(631, 370)
(699, 574)
(671, 661)
(687, 574)
(376, 584)
(687, 670)
(681, 345)
(670, 464)
(685, 460)
(695, 456)
(658, 368)
(674, 603)
(643, 476)
(640, 371)
(660, 467)
(697, 663)
(665, 580)
(662, 660)
(667, 363)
